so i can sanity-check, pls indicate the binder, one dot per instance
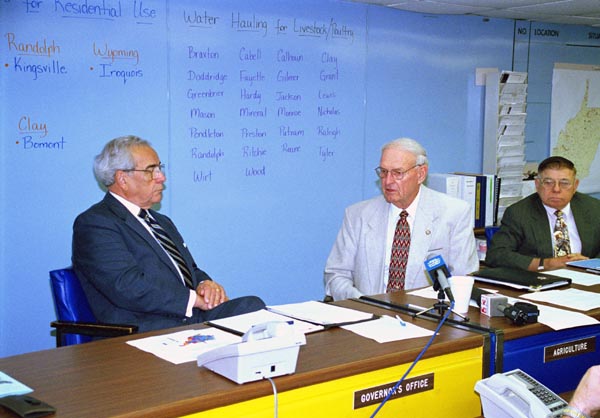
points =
(480, 203)
(491, 202)
(449, 184)
(479, 185)
(592, 264)
(520, 279)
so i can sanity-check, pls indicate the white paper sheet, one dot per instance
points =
(320, 313)
(184, 346)
(387, 328)
(10, 386)
(577, 277)
(559, 319)
(580, 300)
(242, 323)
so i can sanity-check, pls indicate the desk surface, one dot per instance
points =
(112, 378)
(535, 348)
(510, 330)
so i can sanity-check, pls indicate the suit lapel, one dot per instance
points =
(121, 211)
(583, 218)
(538, 218)
(421, 236)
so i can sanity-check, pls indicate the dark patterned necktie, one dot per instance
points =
(166, 242)
(562, 243)
(399, 258)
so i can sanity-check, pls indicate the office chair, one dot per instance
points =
(76, 324)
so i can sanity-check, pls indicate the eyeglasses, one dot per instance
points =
(154, 170)
(564, 184)
(396, 174)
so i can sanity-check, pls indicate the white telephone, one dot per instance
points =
(515, 394)
(267, 350)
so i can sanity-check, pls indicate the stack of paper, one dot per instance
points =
(510, 151)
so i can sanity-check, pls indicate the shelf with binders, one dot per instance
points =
(481, 191)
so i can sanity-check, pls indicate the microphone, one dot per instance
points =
(520, 313)
(438, 273)
(492, 304)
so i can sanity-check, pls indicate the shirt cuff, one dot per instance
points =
(191, 302)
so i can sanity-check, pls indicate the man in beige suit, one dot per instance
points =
(439, 225)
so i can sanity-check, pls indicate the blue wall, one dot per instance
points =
(255, 183)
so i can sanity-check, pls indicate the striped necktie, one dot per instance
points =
(399, 258)
(163, 238)
(562, 243)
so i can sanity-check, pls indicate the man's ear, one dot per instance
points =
(423, 170)
(121, 179)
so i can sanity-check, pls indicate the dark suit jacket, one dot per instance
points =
(126, 275)
(525, 233)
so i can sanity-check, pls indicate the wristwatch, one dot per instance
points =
(541, 264)
(571, 411)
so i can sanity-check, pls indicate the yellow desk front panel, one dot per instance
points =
(452, 395)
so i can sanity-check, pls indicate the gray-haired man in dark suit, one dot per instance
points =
(130, 274)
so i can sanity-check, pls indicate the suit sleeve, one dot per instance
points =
(463, 250)
(506, 243)
(339, 269)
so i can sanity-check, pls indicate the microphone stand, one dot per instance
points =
(440, 306)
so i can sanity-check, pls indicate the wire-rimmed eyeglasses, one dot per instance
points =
(396, 174)
(564, 184)
(155, 170)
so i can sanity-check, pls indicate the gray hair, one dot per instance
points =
(116, 155)
(409, 145)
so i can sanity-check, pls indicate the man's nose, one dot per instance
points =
(388, 178)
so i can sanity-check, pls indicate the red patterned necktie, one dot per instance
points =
(562, 243)
(399, 258)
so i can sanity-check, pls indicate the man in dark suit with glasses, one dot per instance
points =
(547, 229)
(133, 264)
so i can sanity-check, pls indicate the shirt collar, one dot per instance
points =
(131, 207)
(411, 209)
(566, 210)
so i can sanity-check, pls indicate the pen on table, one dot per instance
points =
(401, 321)
(592, 271)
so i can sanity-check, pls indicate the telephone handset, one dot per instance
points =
(266, 330)
(515, 394)
(266, 350)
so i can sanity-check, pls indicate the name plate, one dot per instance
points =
(569, 349)
(376, 394)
